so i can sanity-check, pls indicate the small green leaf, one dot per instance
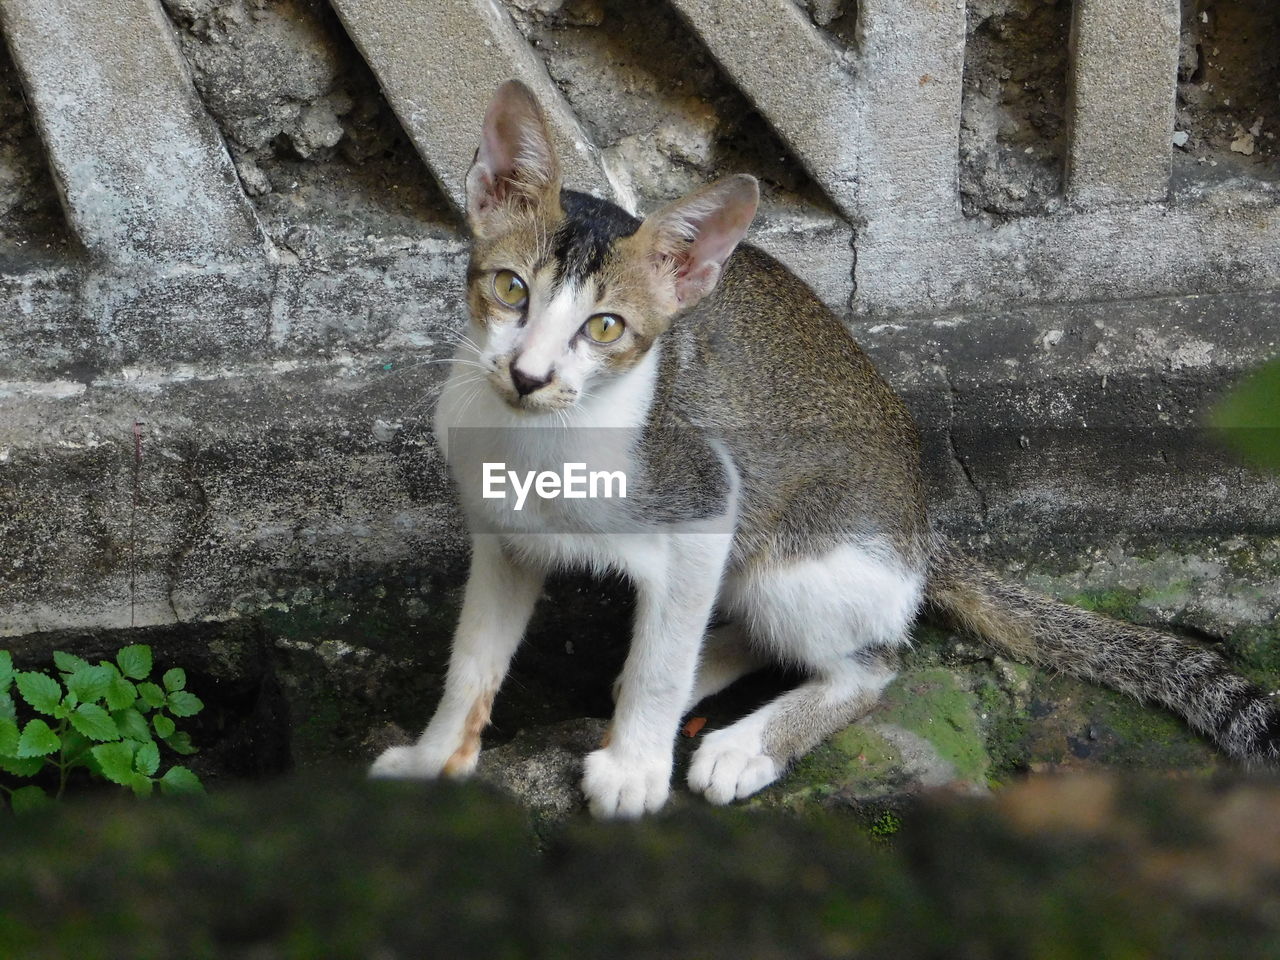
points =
(27, 799)
(24, 767)
(180, 742)
(37, 740)
(42, 692)
(120, 693)
(89, 684)
(147, 759)
(151, 695)
(68, 662)
(7, 708)
(180, 780)
(132, 725)
(175, 679)
(135, 661)
(75, 748)
(1249, 417)
(164, 726)
(8, 737)
(6, 669)
(184, 704)
(141, 785)
(115, 760)
(94, 722)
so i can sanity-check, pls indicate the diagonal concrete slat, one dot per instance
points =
(795, 79)
(142, 170)
(439, 62)
(1124, 72)
(910, 68)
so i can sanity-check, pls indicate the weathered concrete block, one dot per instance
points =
(439, 62)
(1207, 246)
(910, 69)
(1124, 74)
(794, 78)
(141, 168)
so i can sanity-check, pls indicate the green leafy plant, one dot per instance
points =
(109, 719)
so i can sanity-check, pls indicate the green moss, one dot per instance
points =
(885, 825)
(856, 761)
(934, 705)
(1004, 725)
(1256, 651)
(1119, 603)
(1077, 722)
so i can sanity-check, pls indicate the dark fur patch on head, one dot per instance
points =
(587, 234)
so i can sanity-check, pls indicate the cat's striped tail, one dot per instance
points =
(1193, 682)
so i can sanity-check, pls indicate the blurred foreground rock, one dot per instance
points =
(335, 868)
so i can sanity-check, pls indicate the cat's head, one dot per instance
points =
(566, 290)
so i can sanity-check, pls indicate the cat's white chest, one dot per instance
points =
(558, 475)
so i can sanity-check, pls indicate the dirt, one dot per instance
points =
(315, 144)
(653, 97)
(31, 219)
(1013, 108)
(1228, 90)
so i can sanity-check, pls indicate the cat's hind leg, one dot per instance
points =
(726, 657)
(838, 617)
(747, 756)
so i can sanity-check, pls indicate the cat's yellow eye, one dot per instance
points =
(604, 327)
(510, 289)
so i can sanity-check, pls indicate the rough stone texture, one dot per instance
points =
(31, 222)
(290, 445)
(1227, 77)
(1124, 68)
(910, 65)
(440, 80)
(1210, 241)
(1012, 119)
(137, 160)
(795, 80)
(318, 149)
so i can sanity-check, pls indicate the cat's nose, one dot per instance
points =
(526, 384)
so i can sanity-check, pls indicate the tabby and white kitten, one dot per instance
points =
(776, 490)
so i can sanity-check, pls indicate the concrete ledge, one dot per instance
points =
(1229, 240)
(1046, 429)
(142, 170)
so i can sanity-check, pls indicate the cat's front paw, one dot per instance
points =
(625, 786)
(423, 762)
(404, 763)
(732, 764)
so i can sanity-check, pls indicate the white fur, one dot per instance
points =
(816, 611)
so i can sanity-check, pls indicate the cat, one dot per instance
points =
(777, 490)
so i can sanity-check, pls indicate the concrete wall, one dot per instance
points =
(230, 250)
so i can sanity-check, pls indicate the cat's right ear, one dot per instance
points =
(515, 168)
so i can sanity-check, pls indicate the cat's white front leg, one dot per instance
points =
(496, 607)
(631, 774)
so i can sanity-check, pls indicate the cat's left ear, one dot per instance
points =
(688, 241)
(515, 166)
